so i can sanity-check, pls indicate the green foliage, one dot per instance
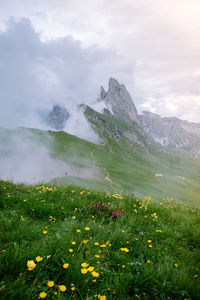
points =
(150, 252)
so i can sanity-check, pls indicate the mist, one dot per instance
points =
(25, 158)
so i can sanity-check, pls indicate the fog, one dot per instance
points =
(25, 158)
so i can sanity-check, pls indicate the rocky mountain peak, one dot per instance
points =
(119, 102)
(57, 117)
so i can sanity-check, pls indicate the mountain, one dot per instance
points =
(57, 118)
(171, 132)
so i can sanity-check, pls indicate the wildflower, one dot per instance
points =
(85, 241)
(123, 230)
(95, 274)
(71, 250)
(62, 288)
(132, 264)
(97, 256)
(103, 246)
(73, 243)
(124, 249)
(78, 230)
(175, 265)
(148, 261)
(73, 288)
(116, 214)
(42, 295)
(50, 283)
(84, 271)
(158, 230)
(136, 239)
(87, 228)
(45, 231)
(96, 244)
(73, 217)
(84, 265)
(65, 266)
(123, 266)
(101, 297)
(31, 265)
(149, 241)
(90, 269)
(38, 258)
(141, 233)
(150, 246)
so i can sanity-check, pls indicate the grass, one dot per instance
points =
(151, 251)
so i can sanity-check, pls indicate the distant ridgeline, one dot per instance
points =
(121, 122)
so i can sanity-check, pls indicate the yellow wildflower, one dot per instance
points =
(97, 256)
(42, 295)
(87, 228)
(84, 271)
(62, 288)
(71, 250)
(96, 244)
(78, 230)
(90, 269)
(84, 265)
(65, 266)
(38, 258)
(73, 243)
(149, 241)
(148, 261)
(31, 265)
(95, 274)
(175, 265)
(50, 283)
(45, 231)
(85, 241)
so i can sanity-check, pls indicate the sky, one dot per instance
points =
(62, 51)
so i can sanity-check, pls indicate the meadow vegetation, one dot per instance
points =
(66, 242)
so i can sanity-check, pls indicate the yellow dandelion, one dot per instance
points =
(97, 256)
(87, 228)
(71, 250)
(42, 295)
(45, 231)
(90, 269)
(74, 217)
(96, 244)
(78, 230)
(73, 243)
(50, 283)
(65, 266)
(73, 288)
(103, 246)
(149, 241)
(150, 246)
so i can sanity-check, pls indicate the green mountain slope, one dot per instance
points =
(120, 166)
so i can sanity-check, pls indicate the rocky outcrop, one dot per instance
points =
(171, 132)
(119, 102)
(57, 118)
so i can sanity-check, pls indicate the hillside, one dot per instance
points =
(113, 166)
(71, 243)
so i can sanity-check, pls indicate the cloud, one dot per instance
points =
(35, 75)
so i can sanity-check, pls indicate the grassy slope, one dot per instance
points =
(131, 170)
(167, 270)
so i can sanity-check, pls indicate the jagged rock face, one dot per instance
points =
(119, 102)
(172, 132)
(57, 117)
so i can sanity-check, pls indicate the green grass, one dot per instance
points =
(167, 270)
